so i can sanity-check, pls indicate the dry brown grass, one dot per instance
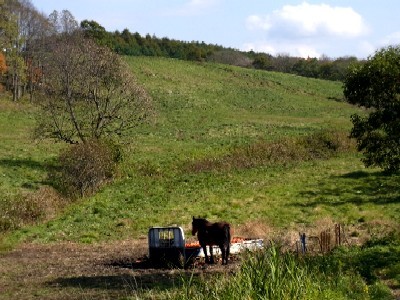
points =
(320, 145)
(30, 208)
(253, 229)
(47, 201)
(350, 234)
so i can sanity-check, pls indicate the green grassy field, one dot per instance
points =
(203, 154)
(205, 111)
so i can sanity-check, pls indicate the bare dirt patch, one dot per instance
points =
(117, 269)
(76, 271)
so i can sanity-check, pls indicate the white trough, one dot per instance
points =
(237, 247)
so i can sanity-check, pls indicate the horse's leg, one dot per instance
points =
(223, 252)
(211, 254)
(228, 249)
(205, 253)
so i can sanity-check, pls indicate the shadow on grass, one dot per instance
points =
(377, 258)
(146, 276)
(125, 282)
(26, 163)
(355, 188)
(356, 175)
(95, 282)
(14, 164)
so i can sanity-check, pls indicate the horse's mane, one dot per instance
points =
(201, 220)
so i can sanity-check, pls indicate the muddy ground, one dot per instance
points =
(75, 271)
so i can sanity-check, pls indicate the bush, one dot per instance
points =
(84, 168)
(16, 212)
(21, 210)
(325, 144)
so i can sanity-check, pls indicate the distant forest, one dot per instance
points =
(27, 36)
(133, 44)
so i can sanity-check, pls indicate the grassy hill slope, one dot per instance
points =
(206, 111)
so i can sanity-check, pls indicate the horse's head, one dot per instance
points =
(197, 224)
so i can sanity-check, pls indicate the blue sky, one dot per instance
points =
(299, 28)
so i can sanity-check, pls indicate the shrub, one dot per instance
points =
(84, 168)
(21, 210)
(16, 212)
(325, 144)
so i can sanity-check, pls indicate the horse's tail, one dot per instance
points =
(227, 246)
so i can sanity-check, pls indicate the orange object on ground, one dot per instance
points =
(196, 244)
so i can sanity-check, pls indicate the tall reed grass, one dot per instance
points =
(21, 210)
(273, 274)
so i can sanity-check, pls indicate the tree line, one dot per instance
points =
(134, 44)
(24, 33)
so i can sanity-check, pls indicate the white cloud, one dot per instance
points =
(366, 48)
(392, 39)
(276, 48)
(260, 47)
(308, 20)
(306, 51)
(308, 30)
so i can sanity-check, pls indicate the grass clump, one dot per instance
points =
(16, 213)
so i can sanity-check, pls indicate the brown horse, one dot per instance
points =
(210, 234)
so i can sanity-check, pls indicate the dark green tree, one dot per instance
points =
(94, 30)
(307, 67)
(375, 85)
(262, 61)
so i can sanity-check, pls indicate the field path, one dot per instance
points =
(76, 271)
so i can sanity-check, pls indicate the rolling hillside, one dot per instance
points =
(205, 112)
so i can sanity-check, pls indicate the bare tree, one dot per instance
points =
(88, 92)
(12, 41)
(20, 26)
(63, 22)
(36, 30)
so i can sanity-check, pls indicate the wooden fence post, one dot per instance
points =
(338, 238)
(303, 242)
(325, 241)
